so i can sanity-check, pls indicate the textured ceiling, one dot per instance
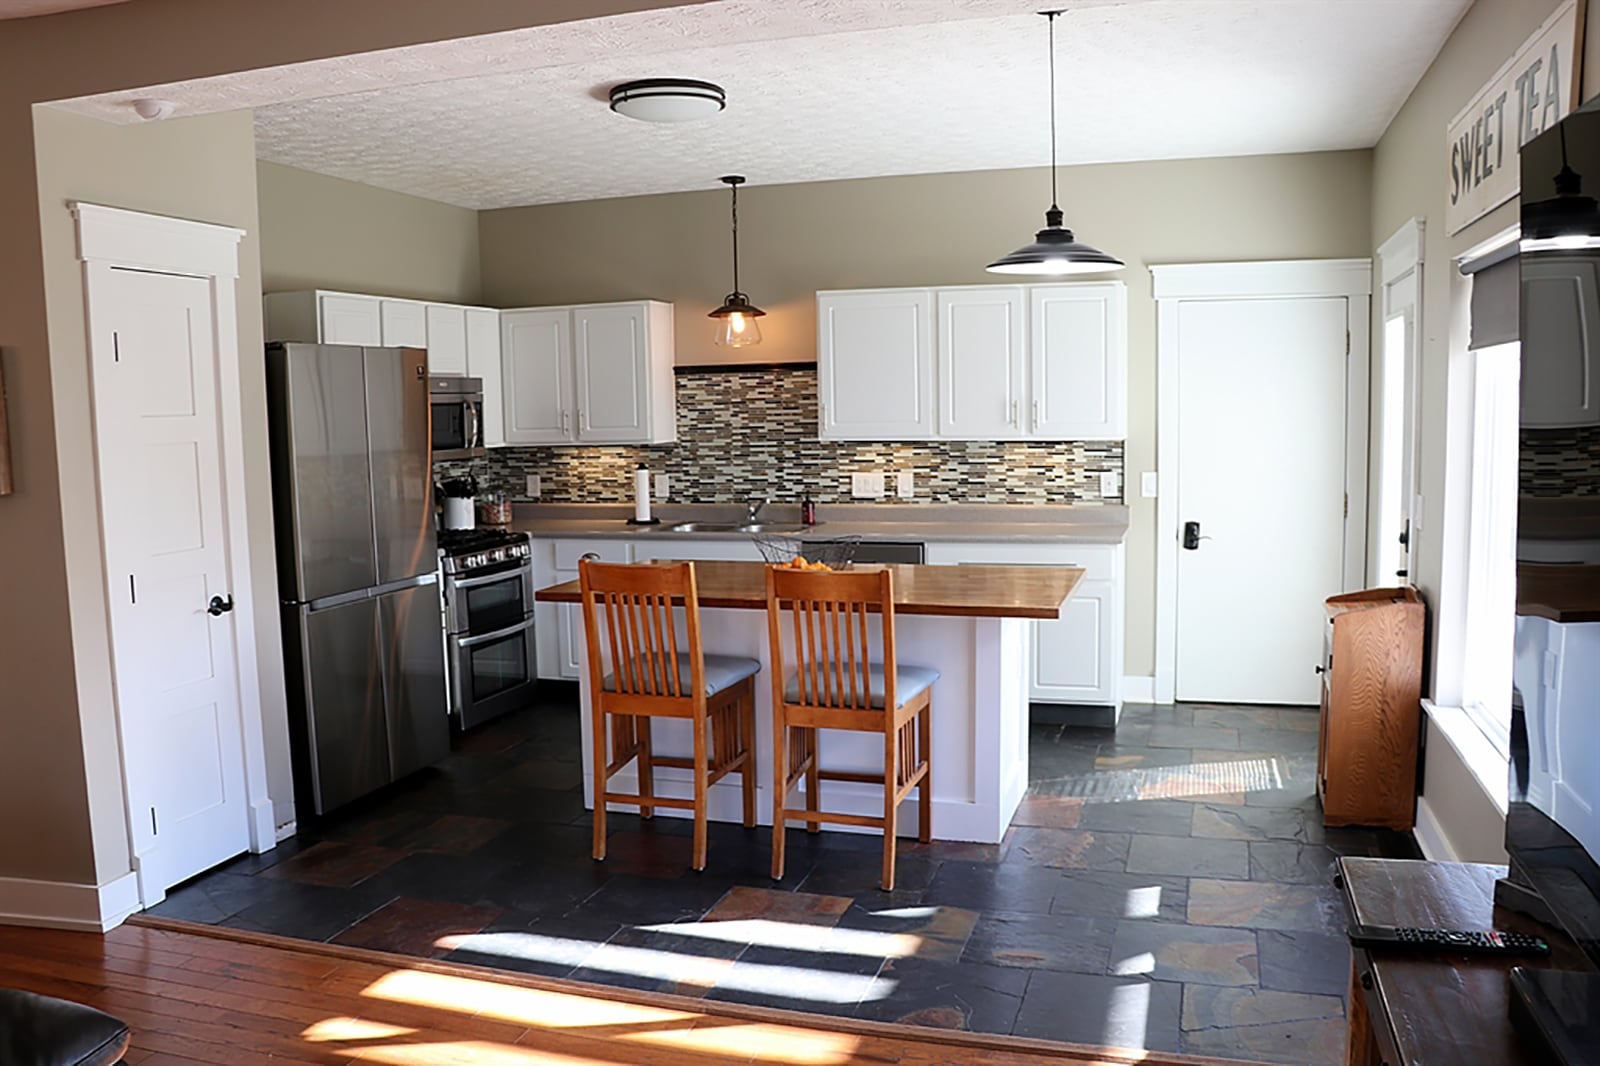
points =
(21, 9)
(830, 89)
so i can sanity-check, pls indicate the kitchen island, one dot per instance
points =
(968, 622)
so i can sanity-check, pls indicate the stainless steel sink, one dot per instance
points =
(706, 527)
(771, 527)
(735, 527)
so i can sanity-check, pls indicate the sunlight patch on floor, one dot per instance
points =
(1142, 902)
(827, 940)
(332, 1029)
(1174, 782)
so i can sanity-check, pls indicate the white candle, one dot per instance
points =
(641, 495)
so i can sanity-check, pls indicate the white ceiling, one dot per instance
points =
(21, 9)
(830, 89)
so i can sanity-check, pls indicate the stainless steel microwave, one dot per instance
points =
(456, 405)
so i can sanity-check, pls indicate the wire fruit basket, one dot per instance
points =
(836, 553)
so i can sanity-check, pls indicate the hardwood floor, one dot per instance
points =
(196, 994)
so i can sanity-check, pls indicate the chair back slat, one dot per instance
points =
(633, 606)
(828, 615)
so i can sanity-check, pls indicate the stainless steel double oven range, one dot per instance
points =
(488, 611)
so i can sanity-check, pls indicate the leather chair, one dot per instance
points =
(43, 1031)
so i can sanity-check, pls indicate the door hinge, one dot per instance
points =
(153, 830)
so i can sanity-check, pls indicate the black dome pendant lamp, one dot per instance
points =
(1055, 252)
(736, 318)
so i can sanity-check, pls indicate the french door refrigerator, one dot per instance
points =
(357, 566)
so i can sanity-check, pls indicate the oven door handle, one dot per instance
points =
(510, 573)
(499, 634)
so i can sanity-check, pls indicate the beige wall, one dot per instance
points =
(1410, 171)
(935, 229)
(319, 232)
(55, 764)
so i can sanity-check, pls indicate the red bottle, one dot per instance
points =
(808, 510)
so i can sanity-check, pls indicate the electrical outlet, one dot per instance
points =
(866, 486)
(663, 487)
(1108, 485)
(1149, 484)
(533, 486)
(903, 486)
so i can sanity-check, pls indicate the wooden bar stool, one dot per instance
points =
(644, 675)
(836, 685)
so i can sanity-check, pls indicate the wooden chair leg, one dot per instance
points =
(700, 757)
(601, 778)
(925, 790)
(647, 765)
(891, 777)
(747, 736)
(780, 790)
(814, 777)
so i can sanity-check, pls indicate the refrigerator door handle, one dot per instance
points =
(499, 634)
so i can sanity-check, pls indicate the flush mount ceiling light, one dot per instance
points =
(150, 108)
(736, 318)
(1054, 251)
(667, 99)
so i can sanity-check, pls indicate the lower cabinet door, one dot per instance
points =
(569, 634)
(1072, 655)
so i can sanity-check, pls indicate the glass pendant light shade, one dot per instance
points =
(736, 318)
(1054, 252)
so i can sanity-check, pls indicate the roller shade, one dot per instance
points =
(1496, 297)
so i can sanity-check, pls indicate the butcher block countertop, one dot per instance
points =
(1559, 593)
(954, 591)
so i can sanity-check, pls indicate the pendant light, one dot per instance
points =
(1054, 251)
(1569, 221)
(736, 318)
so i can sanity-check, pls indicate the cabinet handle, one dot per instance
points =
(822, 415)
(1013, 419)
(1035, 414)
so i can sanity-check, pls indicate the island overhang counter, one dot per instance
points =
(968, 622)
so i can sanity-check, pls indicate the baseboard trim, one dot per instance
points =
(1138, 690)
(1430, 836)
(66, 905)
(1093, 716)
(263, 826)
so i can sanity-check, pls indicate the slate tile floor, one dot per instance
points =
(1167, 886)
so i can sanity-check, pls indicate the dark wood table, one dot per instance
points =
(1420, 1009)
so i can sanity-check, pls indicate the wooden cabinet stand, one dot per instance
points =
(1371, 709)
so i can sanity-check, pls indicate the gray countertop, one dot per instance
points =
(993, 523)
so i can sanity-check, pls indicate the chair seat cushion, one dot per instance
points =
(43, 1031)
(722, 671)
(909, 682)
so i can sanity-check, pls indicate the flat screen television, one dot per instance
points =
(1553, 822)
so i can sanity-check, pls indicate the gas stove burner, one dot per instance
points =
(465, 550)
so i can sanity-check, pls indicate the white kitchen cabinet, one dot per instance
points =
(446, 338)
(1076, 658)
(875, 364)
(483, 362)
(982, 384)
(322, 318)
(591, 374)
(350, 320)
(405, 325)
(1561, 341)
(558, 627)
(1078, 357)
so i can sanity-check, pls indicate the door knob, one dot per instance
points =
(220, 606)
(1191, 535)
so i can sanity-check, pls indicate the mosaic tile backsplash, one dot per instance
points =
(754, 434)
(1560, 462)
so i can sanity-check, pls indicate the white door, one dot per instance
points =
(611, 363)
(1078, 361)
(981, 362)
(1395, 435)
(161, 482)
(1260, 491)
(483, 363)
(536, 364)
(875, 365)
(405, 324)
(447, 339)
(350, 320)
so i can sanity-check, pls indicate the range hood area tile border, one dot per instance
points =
(754, 434)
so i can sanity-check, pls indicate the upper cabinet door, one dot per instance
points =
(447, 339)
(349, 320)
(1561, 345)
(536, 364)
(875, 364)
(483, 362)
(404, 324)
(611, 360)
(982, 366)
(1078, 361)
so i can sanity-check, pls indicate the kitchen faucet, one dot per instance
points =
(752, 509)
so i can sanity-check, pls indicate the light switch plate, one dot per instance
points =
(904, 486)
(1108, 485)
(533, 486)
(866, 486)
(663, 487)
(1149, 484)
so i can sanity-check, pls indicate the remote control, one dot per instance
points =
(1465, 941)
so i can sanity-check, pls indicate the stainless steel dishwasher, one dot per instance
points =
(891, 551)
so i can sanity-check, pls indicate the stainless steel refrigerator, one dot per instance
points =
(357, 566)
